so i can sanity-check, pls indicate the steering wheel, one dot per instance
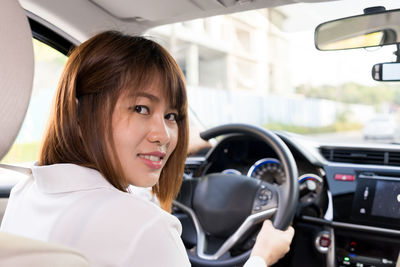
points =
(229, 206)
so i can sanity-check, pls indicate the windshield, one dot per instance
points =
(261, 67)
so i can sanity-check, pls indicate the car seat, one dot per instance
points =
(16, 79)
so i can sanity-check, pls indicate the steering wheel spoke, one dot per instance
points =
(248, 223)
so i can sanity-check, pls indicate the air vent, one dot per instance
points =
(394, 158)
(361, 156)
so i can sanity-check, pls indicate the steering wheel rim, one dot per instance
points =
(287, 192)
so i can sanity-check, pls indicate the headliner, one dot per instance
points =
(77, 20)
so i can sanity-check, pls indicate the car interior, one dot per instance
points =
(341, 194)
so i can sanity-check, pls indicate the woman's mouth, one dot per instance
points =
(153, 160)
(149, 157)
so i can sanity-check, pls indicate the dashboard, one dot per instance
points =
(246, 156)
(349, 207)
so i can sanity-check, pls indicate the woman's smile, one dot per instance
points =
(153, 160)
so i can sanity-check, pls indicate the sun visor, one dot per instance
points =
(156, 10)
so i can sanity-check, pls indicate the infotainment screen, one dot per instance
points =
(377, 200)
(386, 201)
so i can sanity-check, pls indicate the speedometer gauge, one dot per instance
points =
(310, 183)
(268, 169)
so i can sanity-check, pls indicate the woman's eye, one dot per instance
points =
(142, 110)
(171, 116)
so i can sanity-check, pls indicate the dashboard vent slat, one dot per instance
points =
(394, 158)
(361, 156)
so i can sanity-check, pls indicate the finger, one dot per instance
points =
(289, 233)
(267, 222)
(290, 230)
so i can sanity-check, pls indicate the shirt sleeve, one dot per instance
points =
(255, 261)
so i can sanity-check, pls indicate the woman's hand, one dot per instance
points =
(272, 244)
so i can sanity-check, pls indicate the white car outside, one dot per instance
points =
(380, 128)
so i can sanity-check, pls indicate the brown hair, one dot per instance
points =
(96, 73)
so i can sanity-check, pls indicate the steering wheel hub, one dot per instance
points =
(222, 202)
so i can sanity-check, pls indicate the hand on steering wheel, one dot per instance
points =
(228, 206)
(272, 244)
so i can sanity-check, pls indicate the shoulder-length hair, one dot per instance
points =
(79, 130)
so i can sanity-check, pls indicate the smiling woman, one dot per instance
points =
(96, 79)
(94, 135)
(119, 118)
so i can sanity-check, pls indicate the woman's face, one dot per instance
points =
(145, 134)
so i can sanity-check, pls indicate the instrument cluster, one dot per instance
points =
(267, 169)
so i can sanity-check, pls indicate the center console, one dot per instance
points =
(368, 220)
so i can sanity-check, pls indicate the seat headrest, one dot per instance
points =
(16, 71)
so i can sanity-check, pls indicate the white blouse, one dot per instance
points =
(77, 207)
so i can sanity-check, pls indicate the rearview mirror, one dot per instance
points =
(389, 71)
(376, 28)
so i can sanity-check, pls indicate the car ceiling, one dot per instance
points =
(77, 20)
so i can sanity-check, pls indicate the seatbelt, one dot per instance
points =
(20, 169)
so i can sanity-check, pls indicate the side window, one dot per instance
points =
(49, 64)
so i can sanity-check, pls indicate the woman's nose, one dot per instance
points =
(159, 131)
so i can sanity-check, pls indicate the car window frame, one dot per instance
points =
(50, 37)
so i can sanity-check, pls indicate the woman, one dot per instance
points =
(119, 119)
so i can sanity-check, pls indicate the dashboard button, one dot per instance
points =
(263, 202)
(325, 241)
(266, 194)
(344, 177)
(263, 197)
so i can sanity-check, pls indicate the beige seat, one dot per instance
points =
(16, 77)
(20, 251)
